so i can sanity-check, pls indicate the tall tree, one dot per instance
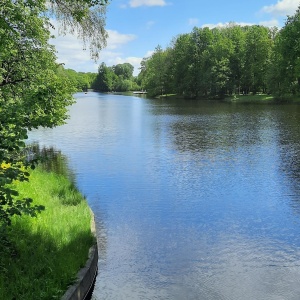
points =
(105, 79)
(220, 53)
(181, 60)
(257, 53)
(236, 35)
(31, 92)
(285, 75)
(155, 72)
(126, 70)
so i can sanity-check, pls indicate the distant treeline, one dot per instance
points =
(211, 63)
(227, 60)
(81, 81)
(117, 78)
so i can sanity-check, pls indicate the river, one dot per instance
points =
(192, 199)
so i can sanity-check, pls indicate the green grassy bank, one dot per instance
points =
(258, 98)
(40, 257)
(262, 98)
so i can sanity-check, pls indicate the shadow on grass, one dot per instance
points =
(37, 267)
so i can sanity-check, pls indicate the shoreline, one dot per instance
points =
(86, 276)
(259, 98)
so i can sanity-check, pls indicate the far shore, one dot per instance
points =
(257, 98)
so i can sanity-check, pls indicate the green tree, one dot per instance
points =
(237, 36)
(33, 92)
(257, 53)
(181, 60)
(105, 79)
(125, 70)
(200, 69)
(155, 70)
(220, 52)
(284, 76)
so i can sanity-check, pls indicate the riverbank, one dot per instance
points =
(258, 98)
(261, 98)
(42, 256)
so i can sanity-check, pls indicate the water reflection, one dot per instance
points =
(193, 200)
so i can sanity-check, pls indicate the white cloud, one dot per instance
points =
(116, 39)
(270, 23)
(137, 3)
(225, 24)
(282, 7)
(71, 52)
(149, 53)
(135, 61)
(193, 21)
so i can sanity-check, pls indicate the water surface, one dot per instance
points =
(193, 200)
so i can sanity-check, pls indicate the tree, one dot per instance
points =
(125, 70)
(32, 94)
(257, 53)
(214, 62)
(105, 80)
(181, 59)
(220, 51)
(237, 36)
(156, 72)
(284, 77)
(82, 81)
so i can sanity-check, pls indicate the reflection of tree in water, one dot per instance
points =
(220, 129)
(50, 159)
(289, 141)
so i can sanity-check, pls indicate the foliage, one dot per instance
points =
(229, 60)
(81, 81)
(86, 18)
(155, 80)
(104, 79)
(211, 63)
(284, 75)
(117, 78)
(258, 49)
(33, 91)
(125, 70)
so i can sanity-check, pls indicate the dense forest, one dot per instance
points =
(213, 63)
(34, 91)
(118, 78)
(227, 60)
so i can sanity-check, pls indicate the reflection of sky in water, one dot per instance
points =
(193, 201)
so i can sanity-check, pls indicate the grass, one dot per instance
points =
(261, 98)
(258, 98)
(169, 96)
(40, 257)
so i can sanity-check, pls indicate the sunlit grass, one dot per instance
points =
(41, 256)
(250, 98)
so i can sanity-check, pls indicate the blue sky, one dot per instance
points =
(136, 27)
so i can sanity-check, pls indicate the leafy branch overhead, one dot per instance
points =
(85, 18)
